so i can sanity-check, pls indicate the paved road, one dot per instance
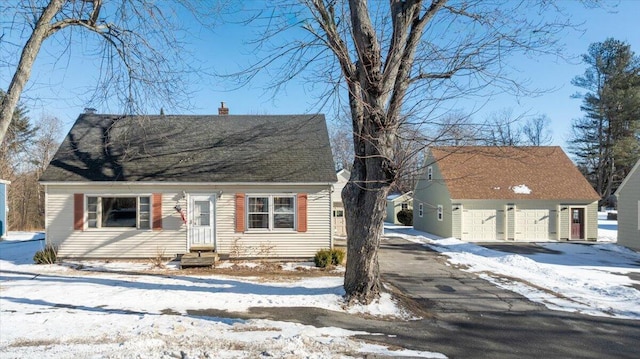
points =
(466, 317)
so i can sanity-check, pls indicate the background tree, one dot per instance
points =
(139, 42)
(393, 62)
(457, 129)
(17, 139)
(606, 142)
(23, 168)
(502, 129)
(341, 146)
(536, 131)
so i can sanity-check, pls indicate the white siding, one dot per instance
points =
(509, 212)
(590, 218)
(395, 205)
(339, 223)
(172, 239)
(286, 244)
(343, 178)
(430, 194)
(111, 242)
(629, 210)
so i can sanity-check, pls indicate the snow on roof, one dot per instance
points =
(521, 189)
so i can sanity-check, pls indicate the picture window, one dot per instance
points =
(119, 212)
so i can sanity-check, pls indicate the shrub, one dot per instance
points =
(322, 258)
(159, 260)
(337, 256)
(48, 255)
(328, 257)
(405, 217)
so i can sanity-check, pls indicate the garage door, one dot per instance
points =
(532, 224)
(479, 224)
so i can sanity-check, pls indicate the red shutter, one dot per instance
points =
(302, 212)
(156, 203)
(240, 212)
(78, 211)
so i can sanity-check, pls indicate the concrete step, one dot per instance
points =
(199, 259)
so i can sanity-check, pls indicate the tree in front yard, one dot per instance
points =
(397, 63)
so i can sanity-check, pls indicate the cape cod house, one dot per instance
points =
(479, 193)
(629, 209)
(139, 186)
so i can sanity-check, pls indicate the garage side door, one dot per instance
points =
(479, 224)
(532, 224)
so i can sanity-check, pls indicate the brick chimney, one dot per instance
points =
(223, 110)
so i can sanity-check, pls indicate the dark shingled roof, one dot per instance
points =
(225, 149)
(480, 172)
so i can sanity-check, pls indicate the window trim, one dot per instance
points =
(430, 173)
(271, 212)
(440, 213)
(99, 213)
(420, 210)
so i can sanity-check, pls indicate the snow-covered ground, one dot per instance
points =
(104, 311)
(592, 279)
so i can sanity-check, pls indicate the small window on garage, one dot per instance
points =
(430, 173)
(440, 212)
(405, 206)
(420, 210)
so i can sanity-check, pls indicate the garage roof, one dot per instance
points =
(499, 172)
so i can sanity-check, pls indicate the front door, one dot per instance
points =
(577, 223)
(201, 221)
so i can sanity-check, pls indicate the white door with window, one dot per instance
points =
(201, 221)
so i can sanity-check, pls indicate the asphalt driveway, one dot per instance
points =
(464, 316)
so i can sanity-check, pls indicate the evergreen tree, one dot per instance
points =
(19, 134)
(606, 142)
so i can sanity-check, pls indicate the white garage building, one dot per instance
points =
(477, 193)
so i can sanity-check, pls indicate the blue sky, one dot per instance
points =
(58, 85)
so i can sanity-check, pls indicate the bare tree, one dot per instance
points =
(456, 129)
(395, 61)
(26, 195)
(536, 131)
(341, 145)
(139, 42)
(502, 129)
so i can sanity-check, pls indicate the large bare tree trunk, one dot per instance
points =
(396, 73)
(365, 199)
(27, 58)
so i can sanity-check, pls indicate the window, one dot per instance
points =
(202, 213)
(429, 173)
(405, 206)
(119, 212)
(338, 213)
(440, 213)
(420, 210)
(271, 212)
